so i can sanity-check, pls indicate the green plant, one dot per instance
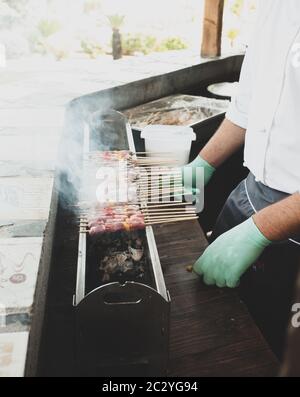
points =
(36, 42)
(172, 43)
(116, 21)
(232, 34)
(133, 43)
(237, 7)
(91, 48)
(48, 27)
(91, 6)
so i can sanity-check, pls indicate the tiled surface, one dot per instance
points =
(25, 198)
(33, 94)
(13, 348)
(19, 262)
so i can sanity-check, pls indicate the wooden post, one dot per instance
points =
(212, 28)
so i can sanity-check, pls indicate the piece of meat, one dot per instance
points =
(99, 229)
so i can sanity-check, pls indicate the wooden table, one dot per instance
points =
(212, 332)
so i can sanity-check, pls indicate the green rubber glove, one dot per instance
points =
(199, 162)
(228, 257)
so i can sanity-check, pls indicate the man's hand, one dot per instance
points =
(226, 141)
(228, 258)
(189, 172)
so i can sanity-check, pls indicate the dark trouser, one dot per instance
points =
(267, 288)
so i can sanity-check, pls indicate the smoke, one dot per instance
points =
(86, 132)
(85, 180)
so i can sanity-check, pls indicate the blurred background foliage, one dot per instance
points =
(90, 28)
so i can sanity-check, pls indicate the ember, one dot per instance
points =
(120, 257)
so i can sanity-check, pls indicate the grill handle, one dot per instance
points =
(115, 299)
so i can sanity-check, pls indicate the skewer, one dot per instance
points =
(158, 182)
(155, 158)
(149, 205)
(172, 216)
(153, 152)
(171, 210)
(161, 192)
(150, 209)
(159, 178)
(150, 216)
(149, 189)
(156, 165)
(172, 204)
(159, 222)
(161, 197)
(170, 221)
(146, 206)
(134, 161)
(158, 168)
(159, 172)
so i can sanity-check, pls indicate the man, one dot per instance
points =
(263, 213)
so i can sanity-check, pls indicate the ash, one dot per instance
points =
(122, 257)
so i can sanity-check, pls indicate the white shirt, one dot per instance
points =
(267, 103)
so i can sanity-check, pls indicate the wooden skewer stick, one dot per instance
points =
(152, 217)
(159, 160)
(158, 181)
(161, 188)
(153, 152)
(159, 178)
(165, 162)
(157, 187)
(164, 195)
(156, 158)
(169, 221)
(171, 204)
(166, 216)
(156, 192)
(156, 222)
(154, 165)
(159, 175)
(148, 205)
(170, 210)
(157, 168)
(168, 169)
(147, 214)
(160, 197)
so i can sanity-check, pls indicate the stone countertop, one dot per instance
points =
(33, 96)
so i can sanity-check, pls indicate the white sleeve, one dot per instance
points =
(239, 108)
(240, 103)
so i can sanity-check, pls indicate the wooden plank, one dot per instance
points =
(212, 28)
(212, 332)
